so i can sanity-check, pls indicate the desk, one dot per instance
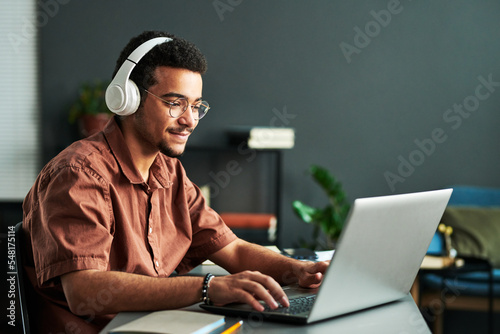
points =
(402, 316)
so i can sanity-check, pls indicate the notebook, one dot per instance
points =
(379, 253)
(172, 322)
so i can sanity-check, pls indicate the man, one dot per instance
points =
(114, 215)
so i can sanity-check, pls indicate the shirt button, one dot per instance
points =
(150, 230)
(157, 263)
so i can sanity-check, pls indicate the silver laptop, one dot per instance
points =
(379, 253)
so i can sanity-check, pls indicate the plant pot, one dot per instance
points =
(91, 124)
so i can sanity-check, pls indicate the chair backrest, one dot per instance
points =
(21, 285)
(475, 196)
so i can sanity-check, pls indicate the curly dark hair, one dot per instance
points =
(177, 53)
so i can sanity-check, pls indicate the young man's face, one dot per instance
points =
(155, 128)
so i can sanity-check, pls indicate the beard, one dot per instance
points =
(166, 149)
(163, 146)
(169, 151)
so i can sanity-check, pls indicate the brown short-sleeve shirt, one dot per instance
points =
(90, 209)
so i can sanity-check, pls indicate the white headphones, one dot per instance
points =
(122, 95)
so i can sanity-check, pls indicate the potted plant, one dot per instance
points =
(329, 219)
(89, 110)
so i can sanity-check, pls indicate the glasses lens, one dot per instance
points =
(180, 105)
(201, 110)
(177, 107)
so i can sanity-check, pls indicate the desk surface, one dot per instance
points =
(402, 316)
(398, 317)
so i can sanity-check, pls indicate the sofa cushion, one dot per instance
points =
(476, 231)
(469, 284)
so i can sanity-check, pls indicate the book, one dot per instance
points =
(252, 221)
(262, 137)
(173, 322)
(249, 220)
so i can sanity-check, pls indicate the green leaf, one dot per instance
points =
(330, 219)
(305, 212)
(323, 178)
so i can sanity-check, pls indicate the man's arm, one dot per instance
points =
(108, 292)
(93, 292)
(256, 269)
(241, 255)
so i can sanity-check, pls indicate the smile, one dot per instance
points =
(182, 135)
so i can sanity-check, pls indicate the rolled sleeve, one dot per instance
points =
(71, 228)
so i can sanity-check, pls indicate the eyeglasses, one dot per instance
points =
(179, 105)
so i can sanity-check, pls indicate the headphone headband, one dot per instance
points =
(122, 94)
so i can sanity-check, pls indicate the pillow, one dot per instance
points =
(476, 231)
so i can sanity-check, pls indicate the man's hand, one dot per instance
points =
(252, 286)
(247, 287)
(310, 274)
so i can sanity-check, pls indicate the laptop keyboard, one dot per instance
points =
(297, 306)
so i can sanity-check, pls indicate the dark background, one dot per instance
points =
(359, 119)
(268, 58)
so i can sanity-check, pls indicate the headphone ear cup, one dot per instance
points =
(122, 101)
(133, 99)
(115, 98)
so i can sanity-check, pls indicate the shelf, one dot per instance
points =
(238, 179)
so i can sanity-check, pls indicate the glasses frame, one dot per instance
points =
(205, 103)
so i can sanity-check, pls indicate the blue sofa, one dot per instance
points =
(474, 215)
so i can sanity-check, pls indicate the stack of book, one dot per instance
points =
(262, 137)
(251, 221)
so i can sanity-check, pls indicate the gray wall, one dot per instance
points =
(391, 99)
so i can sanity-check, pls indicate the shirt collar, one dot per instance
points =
(121, 152)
